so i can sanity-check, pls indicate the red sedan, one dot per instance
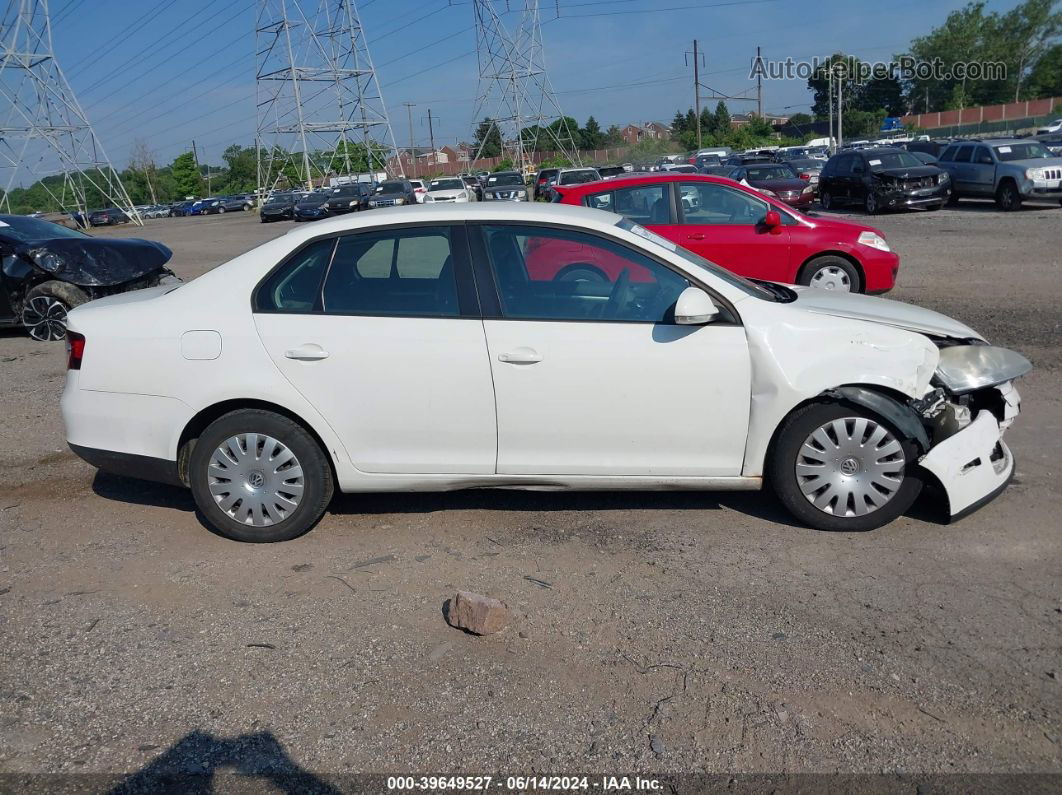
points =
(737, 227)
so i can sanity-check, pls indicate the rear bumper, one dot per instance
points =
(130, 465)
(974, 466)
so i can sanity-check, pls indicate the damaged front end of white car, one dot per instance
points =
(972, 404)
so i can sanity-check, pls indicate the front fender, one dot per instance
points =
(799, 356)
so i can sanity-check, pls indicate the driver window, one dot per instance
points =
(544, 273)
(705, 203)
(295, 286)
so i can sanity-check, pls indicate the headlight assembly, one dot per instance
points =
(47, 260)
(873, 240)
(967, 368)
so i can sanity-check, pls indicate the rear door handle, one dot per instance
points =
(520, 356)
(307, 353)
(697, 236)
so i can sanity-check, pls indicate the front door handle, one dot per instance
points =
(520, 356)
(697, 236)
(307, 353)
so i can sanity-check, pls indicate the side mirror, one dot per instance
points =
(772, 219)
(695, 308)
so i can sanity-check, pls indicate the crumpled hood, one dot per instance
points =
(98, 262)
(882, 310)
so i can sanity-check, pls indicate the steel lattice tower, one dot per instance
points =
(43, 130)
(317, 91)
(514, 83)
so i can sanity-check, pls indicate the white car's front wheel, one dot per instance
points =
(841, 467)
(258, 476)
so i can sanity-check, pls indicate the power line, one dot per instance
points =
(132, 27)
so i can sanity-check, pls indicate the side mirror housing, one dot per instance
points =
(772, 219)
(695, 308)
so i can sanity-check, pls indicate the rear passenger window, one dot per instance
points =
(394, 273)
(295, 286)
(637, 203)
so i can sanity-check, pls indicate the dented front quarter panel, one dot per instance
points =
(94, 262)
(797, 355)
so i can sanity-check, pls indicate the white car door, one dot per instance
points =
(591, 376)
(391, 350)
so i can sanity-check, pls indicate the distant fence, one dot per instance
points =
(1012, 117)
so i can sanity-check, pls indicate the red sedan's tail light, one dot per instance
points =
(541, 180)
(805, 176)
(75, 350)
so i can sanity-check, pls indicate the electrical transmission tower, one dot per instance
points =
(44, 133)
(514, 88)
(320, 108)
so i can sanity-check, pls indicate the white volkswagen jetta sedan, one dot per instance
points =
(448, 347)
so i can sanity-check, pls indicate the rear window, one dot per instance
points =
(579, 177)
(392, 187)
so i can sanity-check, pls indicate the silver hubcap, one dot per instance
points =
(255, 479)
(832, 277)
(45, 318)
(850, 467)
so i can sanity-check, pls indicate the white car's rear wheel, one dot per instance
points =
(258, 476)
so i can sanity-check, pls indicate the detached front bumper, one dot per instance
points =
(975, 465)
(917, 198)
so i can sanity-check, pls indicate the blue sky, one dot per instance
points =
(184, 69)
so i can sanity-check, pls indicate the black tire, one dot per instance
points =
(45, 308)
(221, 210)
(581, 273)
(317, 480)
(934, 207)
(786, 453)
(815, 266)
(263, 219)
(953, 198)
(870, 204)
(826, 199)
(1007, 196)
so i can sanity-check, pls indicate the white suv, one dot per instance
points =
(442, 348)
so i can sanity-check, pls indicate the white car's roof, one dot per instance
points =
(541, 212)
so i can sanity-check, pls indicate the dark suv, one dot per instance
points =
(394, 193)
(349, 198)
(882, 178)
(544, 180)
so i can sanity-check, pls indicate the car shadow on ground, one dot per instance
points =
(191, 764)
(853, 211)
(758, 504)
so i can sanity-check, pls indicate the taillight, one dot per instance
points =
(75, 350)
(805, 176)
(541, 180)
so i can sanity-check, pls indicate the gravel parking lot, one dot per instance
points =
(656, 632)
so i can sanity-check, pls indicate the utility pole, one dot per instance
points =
(431, 137)
(759, 86)
(697, 91)
(412, 154)
(840, 110)
(829, 93)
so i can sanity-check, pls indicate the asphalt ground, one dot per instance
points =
(650, 631)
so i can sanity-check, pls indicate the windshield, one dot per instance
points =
(809, 164)
(348, 190)
(749, 288)
(885, 160)
(23, 229)
(579, 177)
(278, 198)
(770, 172)
(447, 184)
(1029, 151)
(505, 179)
(392, 187)
(313, 199)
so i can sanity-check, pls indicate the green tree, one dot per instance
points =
(614, 136)
(187, 179)
(242, 175)
(591, 135)
(722, 119)
(488, 140)
(678, 124)
(1045, 78)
